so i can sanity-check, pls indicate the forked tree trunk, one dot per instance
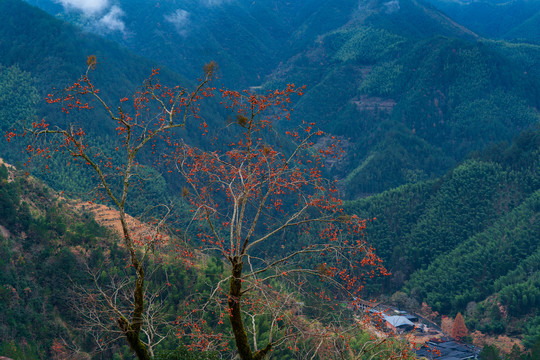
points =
(134, 340)
(132, 330)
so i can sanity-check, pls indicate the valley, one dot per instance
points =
(423, 114)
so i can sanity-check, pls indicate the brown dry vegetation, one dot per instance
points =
(110, 218)
(446, 324)
(503, 342)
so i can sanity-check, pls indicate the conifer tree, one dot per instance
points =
(459, 330)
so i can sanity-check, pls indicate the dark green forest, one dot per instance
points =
(392, 89)
(435, 105)
(468, 240)
(394, 97)
(49, 263)
(395, 84)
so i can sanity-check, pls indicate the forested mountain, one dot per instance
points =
(247, 39)
(434, 102)
(53, 255)
(515, 20)
(468, 241)
(49, 55)
(395, 96)
(396, 80)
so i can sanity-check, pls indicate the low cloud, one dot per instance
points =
(112, 20)
(180, 20)
(88, 7)
(93, 10)
(215, 2)
(391, 6)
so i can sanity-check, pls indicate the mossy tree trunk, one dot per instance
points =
(235, 316)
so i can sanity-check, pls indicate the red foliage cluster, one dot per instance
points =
(247, 198)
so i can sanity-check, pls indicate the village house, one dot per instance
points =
(447, 350)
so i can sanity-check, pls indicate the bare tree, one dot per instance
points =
(111, 297)
(155, 111)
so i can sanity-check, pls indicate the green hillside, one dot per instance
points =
(515, 20)
(50, 55)
(56, 260)
(62, 243)
(55, 52)
(528, 31)
(469, 236)
(247, 39)
(395, 82)
(395, 93)
(437, 113)
(54, 255)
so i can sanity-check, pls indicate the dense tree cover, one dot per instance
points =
(479, 260)
(45, 277)
(422, 94)
(491, 352)
(18, 102)
(520, 289)
(467, 236)
(18, 96)
(56, 255)
(404, 90)
(396, 82)
(35, 266)
(50, 53)
(248, 39)
(428, 94)
(511, 20)
(53, 51)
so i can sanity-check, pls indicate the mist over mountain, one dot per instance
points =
(247, 39)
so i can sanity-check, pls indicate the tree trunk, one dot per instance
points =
(235, 317)
(132, 330)
(133, 340)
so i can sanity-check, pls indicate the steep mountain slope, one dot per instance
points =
(55, 52)
(49, 55)
(467, 237)
(528, 31)
(510, 20)
(248, 39)
(54, 255)
(414, 18)
(408, 91)
(395, 80)
(408, 102)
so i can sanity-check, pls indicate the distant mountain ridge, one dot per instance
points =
(398, 86)
(514, 20)
(246, 38)
(395, 79)
(41, 55)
